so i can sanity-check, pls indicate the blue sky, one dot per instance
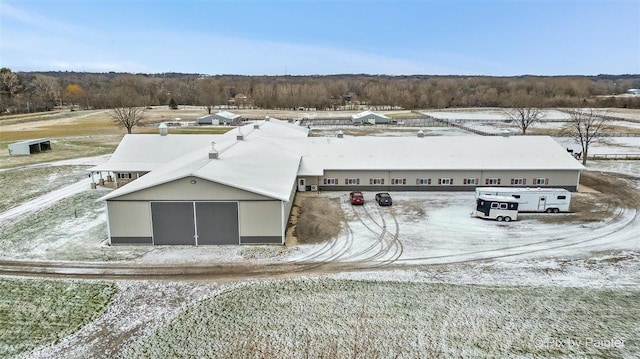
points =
(303, 37)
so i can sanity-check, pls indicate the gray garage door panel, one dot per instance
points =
(217, 223)
(173, 223)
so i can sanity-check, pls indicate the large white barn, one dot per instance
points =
(238, 188)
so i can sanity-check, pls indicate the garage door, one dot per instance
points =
(217, 223)
(173, 223)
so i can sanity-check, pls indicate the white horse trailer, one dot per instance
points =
(550, 200)
(500, 208)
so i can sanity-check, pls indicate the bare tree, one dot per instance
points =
(585, 126)
(524, 117)
(127, 117)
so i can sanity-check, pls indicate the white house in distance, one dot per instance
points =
(218, 118)
(369, 117)
(239, 187)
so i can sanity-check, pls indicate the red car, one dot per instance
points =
(356, 198)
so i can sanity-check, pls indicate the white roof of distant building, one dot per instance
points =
(227, 115)
(31, 142)
(366, 113)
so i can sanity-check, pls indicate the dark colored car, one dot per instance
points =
(356, 197)
(384, 199)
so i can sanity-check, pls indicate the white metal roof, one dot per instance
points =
(138, 152)
(256, 164)
(366, 113)
(521, 189)
(271, 156)
(433, 153)
(227, 115)
(30, 142)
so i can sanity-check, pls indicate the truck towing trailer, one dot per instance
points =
(550, 200)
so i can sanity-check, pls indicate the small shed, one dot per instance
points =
(225, 117)
(369, 117)
(29, 147)
(208, 120)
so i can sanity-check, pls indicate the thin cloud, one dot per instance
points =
(35, 20)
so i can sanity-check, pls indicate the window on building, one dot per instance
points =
(398, 181)
(492, 181)
(330, 181)
(445, 181)
(470, 181)
(124, 175)
(520, 181)
(503, 205)
(423, 181)
(494, 205)
(352, 181)
(562, 197)
(376, 180)
(540, 181)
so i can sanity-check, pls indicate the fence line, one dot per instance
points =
(614, 156)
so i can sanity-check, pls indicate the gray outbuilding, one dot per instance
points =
(208, 120)
(29, 147)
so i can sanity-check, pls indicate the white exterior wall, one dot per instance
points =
(19, 149)
(129, 218)
(567, 178)
(183, 189)
(260, 218)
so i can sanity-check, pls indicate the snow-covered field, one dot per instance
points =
(492, 115)
(387, 319)
(34, 312)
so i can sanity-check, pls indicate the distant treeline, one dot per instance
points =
(37, 91)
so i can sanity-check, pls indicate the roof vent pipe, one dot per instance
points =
(240, 136)
(164, 130)
(256, 126)
(421, 133)
(340, 134)
(506, 132)
(266, 118)
(213, 153)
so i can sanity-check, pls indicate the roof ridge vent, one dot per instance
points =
(340, 134)
(266, 118)
(213, 153)
(505, 132)
(240, 136)
(420, 133)
(256, 126)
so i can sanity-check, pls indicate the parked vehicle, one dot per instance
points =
(356, 197)
(550, 200)
(500, 208)
(384, 199)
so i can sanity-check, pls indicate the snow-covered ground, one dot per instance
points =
(605, 145)
(510, 288)
(492, 115)
(420, 228)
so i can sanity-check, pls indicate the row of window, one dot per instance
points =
(441, 181)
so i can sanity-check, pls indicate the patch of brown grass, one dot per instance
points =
(318, 219)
